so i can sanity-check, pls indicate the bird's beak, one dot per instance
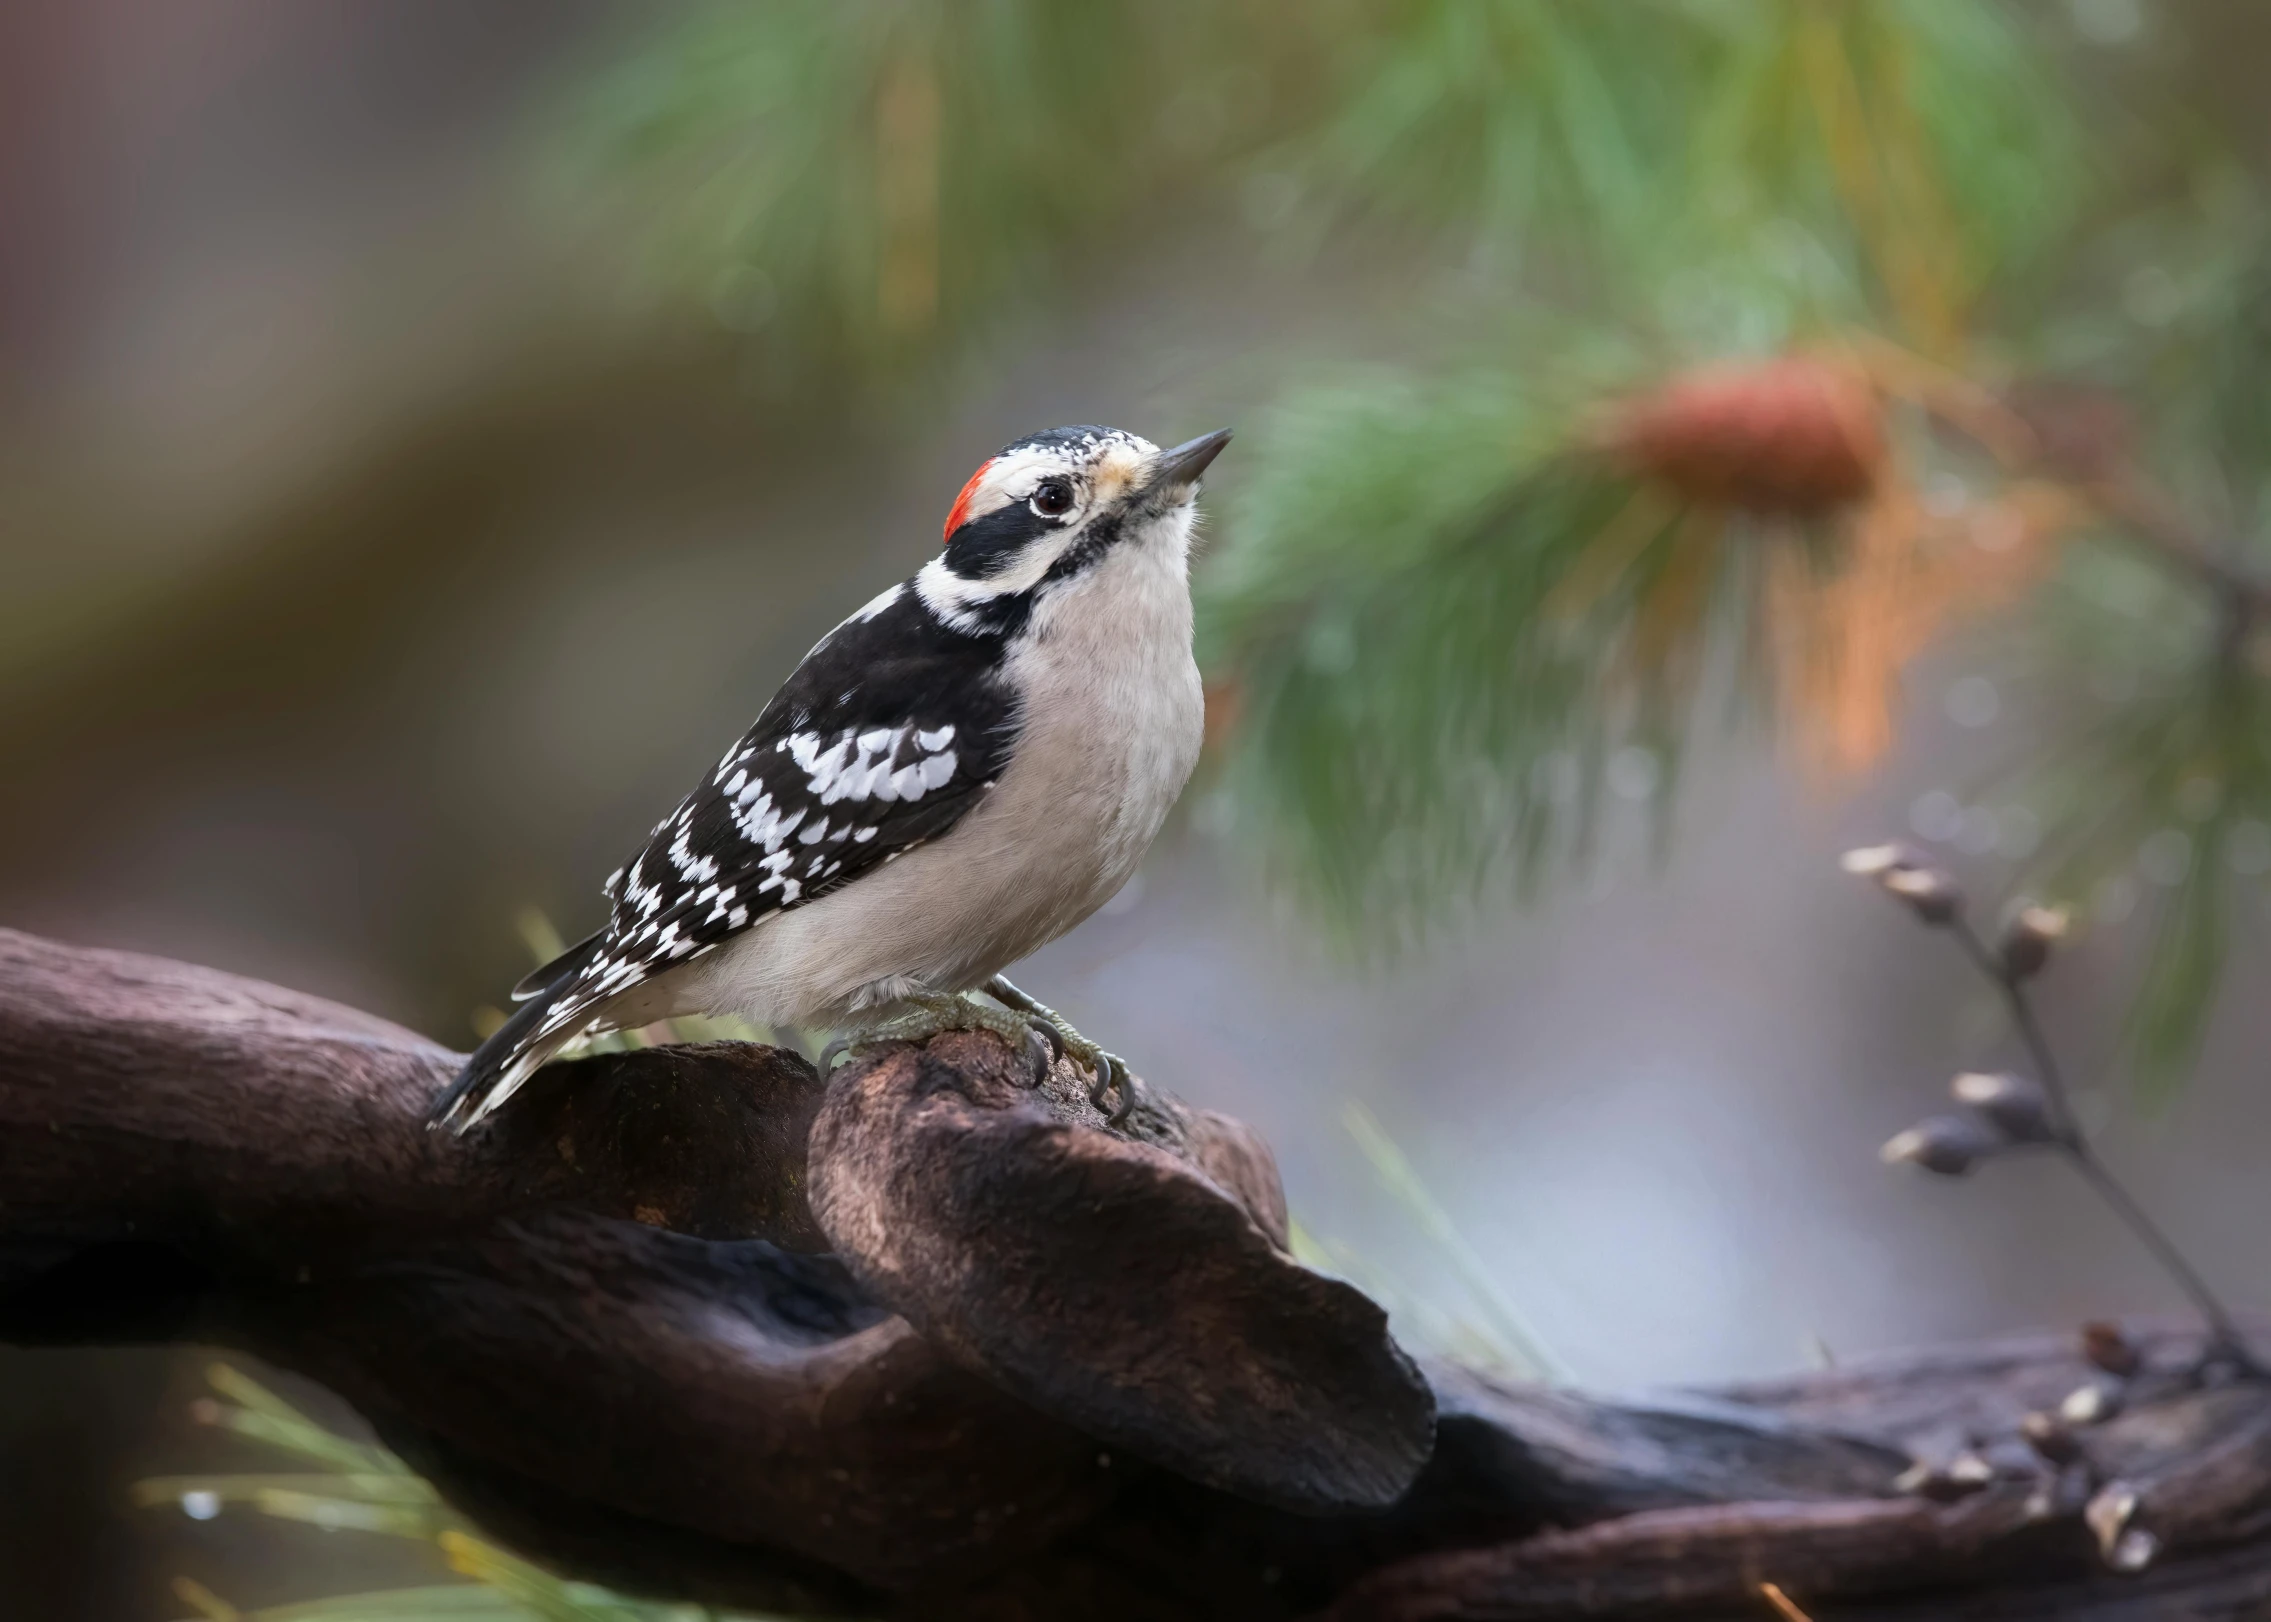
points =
(1176, 474)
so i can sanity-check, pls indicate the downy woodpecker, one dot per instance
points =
(956, 775)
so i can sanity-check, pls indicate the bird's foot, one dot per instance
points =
(1108, 1073)
(925, 1017)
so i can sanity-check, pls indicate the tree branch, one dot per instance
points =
(1002, 1363)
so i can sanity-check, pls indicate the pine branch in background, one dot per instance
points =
(2165, 333)
(1448, 613)
(852, 185)
(1405, 718)
(1888, 159)
(357, 1487)
(1906, 166)
(1506, 128)
(2156, 778)
(1778, 162)
(1453, 616)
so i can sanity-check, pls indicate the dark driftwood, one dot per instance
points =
(1112, 1282)
(932, 1343)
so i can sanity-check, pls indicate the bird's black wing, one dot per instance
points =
(886, 735)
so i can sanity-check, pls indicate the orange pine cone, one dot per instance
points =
(1797, 436)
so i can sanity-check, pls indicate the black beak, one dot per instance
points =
(1176, 473)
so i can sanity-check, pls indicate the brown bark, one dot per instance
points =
(932, 1342)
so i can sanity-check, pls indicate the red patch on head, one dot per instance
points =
(962, 501)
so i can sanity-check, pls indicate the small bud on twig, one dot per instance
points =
(2091, 1404)
(2133, 1550)
(2015, 1106)
(1972, 1471)
(1905, 875)
(1948, 1145)
(1930, 893)
(1874, 861)
(2029, 937)
(2048, 1436)
(2108, 1348)
(2108, 1515)
(1960, 1477)
(2037, 1111)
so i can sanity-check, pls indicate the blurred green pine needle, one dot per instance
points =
(357, 1487)
(1412, 725)
(1508, 124)
(1505, 1339)
(850, 182)
(2156, 778)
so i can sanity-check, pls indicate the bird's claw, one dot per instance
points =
(927, 1018)
(1108, 1072)
(1040, 1053)
(1112, 1074)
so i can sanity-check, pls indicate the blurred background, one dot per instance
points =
(1677, 441)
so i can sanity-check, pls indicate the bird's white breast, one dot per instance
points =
(1111, 720)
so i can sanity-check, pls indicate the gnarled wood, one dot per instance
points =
(1112, 1283)
(1045, 1371)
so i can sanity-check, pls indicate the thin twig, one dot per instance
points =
(2148, 513)
(2226, 1343)
(2116, 488)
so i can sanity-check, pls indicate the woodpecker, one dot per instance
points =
(953, 777)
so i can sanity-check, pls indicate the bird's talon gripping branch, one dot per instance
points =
(1114, 1073)
(1040, 1053)
(927, 1017)
(1108, 1073)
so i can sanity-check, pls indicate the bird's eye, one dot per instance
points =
(1052, 498)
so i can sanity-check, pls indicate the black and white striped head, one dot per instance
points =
(1054, 505)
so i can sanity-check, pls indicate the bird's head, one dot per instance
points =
(1053, 505)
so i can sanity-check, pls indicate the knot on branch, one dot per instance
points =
(1139, 1291)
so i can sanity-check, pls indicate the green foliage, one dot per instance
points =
(1836, 158)
(2172, 311)
(1416, 722)
(850, 181)
(1917, 148)
(358, 1487)
(1428, 706)
(1391, 607)
(2159, 766)
(1509, 125)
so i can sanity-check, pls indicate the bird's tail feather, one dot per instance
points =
(514, 1051)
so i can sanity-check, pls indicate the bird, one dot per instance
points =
(956, 775)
